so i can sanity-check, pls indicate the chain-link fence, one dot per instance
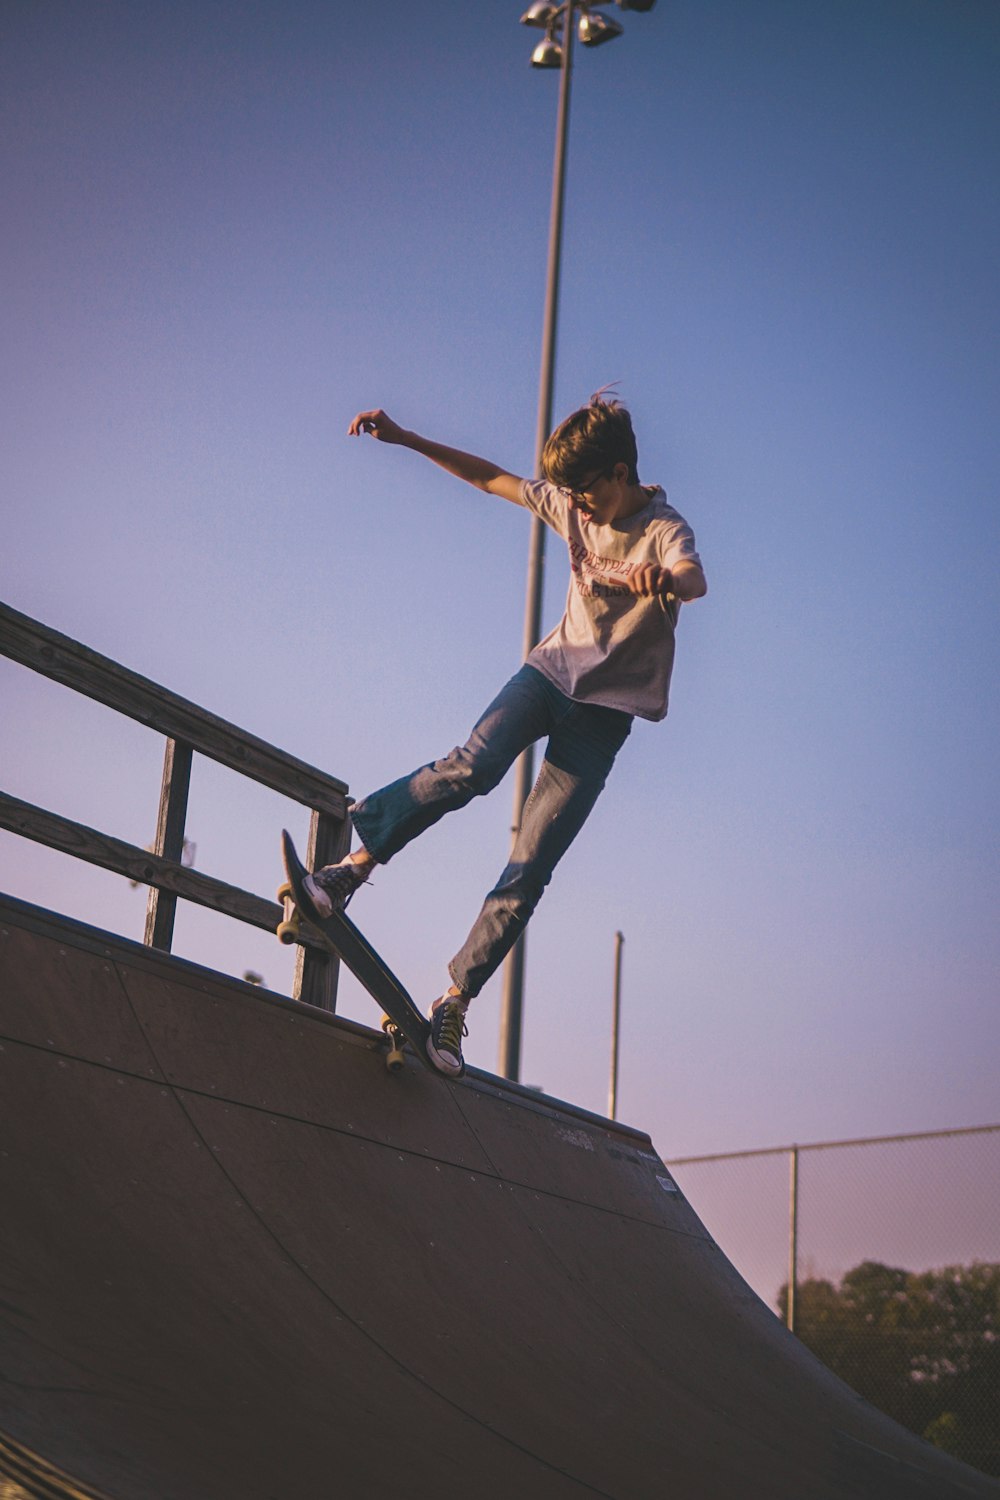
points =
(883, 1255)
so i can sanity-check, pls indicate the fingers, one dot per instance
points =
(366, 421)
(377, 423)
(650, 580)
(646, 581)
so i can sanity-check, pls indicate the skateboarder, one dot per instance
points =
(633, 562)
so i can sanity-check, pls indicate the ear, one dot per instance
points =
(620, 472)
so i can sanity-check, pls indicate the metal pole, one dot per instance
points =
(615, 1027)
(509, 1065)
(793, 1236)
(866, 1140)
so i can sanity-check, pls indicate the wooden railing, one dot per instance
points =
(188, 729)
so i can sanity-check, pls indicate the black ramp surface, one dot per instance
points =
(239, 1259)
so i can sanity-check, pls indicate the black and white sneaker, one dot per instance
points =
(444, 1045)
(331, 888)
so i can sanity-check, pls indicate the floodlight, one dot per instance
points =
(595, 28)
(547, 54)
(540, 14)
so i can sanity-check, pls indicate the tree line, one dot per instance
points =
(924, 1347)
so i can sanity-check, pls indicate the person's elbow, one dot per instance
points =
(689, 582)
(505, 486)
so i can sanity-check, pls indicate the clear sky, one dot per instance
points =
(227, 227)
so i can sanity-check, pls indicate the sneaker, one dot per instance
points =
(444, 1045)
(331, 888)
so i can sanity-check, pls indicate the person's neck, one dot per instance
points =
(634, 499)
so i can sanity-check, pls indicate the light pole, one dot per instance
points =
(593, 29)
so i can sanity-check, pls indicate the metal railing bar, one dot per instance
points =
(871, 1140)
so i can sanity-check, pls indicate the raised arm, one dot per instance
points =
(476, 471)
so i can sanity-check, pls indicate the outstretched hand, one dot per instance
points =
(378, 425)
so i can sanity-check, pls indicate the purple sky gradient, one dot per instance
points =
(229, 227)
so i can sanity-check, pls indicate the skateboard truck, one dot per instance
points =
(289, 930)
(290, 926)
(402, 1022)
(396, 1041)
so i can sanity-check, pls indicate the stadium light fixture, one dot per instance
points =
(540, 14)
(547, 54)
(595, 28)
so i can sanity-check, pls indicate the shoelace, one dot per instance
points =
(452, 1028)
(340, 881)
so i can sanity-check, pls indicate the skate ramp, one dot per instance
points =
(240, 1259)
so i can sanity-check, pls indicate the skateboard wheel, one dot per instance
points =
(288, 932)
(394, 1059)
(285, 892)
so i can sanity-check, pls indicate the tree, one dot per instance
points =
(924, 1347)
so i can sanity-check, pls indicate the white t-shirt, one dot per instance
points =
(612, 647)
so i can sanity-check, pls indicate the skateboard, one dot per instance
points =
(402, 1022)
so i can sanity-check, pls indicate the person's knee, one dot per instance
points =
(472, 770)
(521, 887)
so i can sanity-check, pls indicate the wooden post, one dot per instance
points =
(316, 973)
(162, 905)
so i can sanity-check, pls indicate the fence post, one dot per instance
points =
(315, 973)
(793, 1236)
(161, 906)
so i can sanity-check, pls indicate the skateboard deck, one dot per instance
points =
(402, 1021)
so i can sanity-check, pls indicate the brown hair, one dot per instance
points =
(589, 443)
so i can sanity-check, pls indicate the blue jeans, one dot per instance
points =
(584, 739)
